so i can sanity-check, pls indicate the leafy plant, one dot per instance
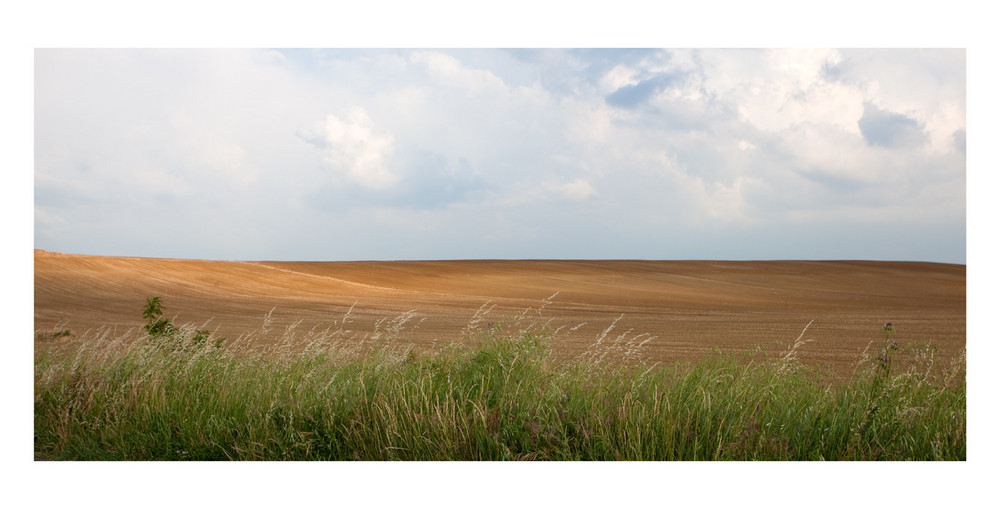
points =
(165, 333)
(156, 325)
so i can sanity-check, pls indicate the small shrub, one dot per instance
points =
(165, 334)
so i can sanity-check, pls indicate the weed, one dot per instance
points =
(498, 395)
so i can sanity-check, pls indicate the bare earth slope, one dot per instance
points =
(689, 306)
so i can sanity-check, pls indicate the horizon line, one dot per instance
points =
(404, 260)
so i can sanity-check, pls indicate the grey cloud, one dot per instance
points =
(888, 129)
(313, 137)
(596, 61)
(432, 181)
(600, 60)
(681, 114)
(959, 138)
(837, 182)
(427, 181)
(631, 96)
(578, 71)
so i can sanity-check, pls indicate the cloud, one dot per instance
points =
(959, 139)
(353, 148)
(887, 129)
(426, 181)
(926, 85)
(631, 96)
(254, 151)
(449, 71)
(772, 90)
(576, 190)
(431, 180)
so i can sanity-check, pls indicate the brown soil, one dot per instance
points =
(689, 306)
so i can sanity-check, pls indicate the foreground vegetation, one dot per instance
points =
(172, 394)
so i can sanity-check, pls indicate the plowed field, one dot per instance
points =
(689, 306)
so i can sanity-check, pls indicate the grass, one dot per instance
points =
(499, 395)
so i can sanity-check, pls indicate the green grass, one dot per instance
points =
(497, 396)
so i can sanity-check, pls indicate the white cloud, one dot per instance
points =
(926, 85)
(774, 90)
(617, 77)
(556, 143)
(576, 190)
(449, 71)
(726, 201)
(354, 149)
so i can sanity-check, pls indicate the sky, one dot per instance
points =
(386, 154)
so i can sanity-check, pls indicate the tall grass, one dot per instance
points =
(499, 395)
